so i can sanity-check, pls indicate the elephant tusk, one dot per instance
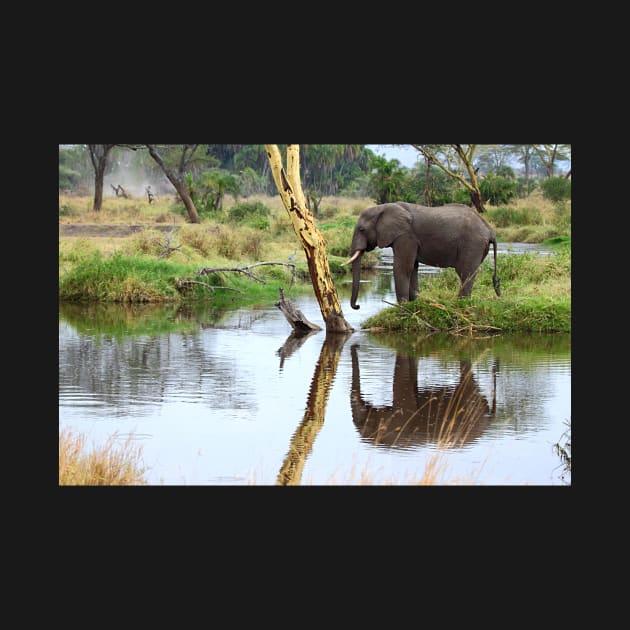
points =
(352, 258)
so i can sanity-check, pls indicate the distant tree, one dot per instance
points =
(464, 154)
(493, 158)
(549, 154)
(431, 187)
(387, 179)
(98, 155)
(209, 188)
(524, 153)
(75, 166)
(176, 175)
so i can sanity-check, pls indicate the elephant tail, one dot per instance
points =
(495, 279)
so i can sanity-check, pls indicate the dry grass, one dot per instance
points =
(117, 210)
(114, 464)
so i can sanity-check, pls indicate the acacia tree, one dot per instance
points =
(176, 177)
(524, 153)
(98, 155)
(550, 153)
(465, 154)
(290, 189)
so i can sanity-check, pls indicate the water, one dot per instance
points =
(234, 399)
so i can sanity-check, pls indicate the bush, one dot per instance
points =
(253, 213)
(556, 189)
(497, 189)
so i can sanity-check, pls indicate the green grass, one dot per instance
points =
(140, 279)
(536, 297)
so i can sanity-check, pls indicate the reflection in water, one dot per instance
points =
(302, 441)
(293, 343)
(204, 389)
(449, 415)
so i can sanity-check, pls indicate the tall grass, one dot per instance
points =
(113, 464)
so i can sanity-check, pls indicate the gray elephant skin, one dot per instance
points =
(455, 415)
(453, 235)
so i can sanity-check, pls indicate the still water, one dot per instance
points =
(233, 398)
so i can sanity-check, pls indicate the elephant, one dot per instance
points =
(453, 415)
(453, 235)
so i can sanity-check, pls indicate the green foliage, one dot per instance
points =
(441, 187)
(560, 242)
(461, 195)
(251, 183)
(556, 189)
(497, 189)
(208, 189)
(386, 179)
(253, 213)
(68, 178)
(505, 171)
(524, 187)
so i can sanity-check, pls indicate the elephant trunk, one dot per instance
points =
(356, 278)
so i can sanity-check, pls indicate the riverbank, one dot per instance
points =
(135, 256)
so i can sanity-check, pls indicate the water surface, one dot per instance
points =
(234, 398)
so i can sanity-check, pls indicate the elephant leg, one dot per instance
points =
(413, 283)
(402, 277)
(467, 280)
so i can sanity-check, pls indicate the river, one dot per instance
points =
(232, 398)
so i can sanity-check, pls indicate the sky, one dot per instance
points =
(405, 154)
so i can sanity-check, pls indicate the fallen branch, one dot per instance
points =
(208, 270)
(185, 281)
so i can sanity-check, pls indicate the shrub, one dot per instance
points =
(253, 213)
(497, 189)
(556, 189)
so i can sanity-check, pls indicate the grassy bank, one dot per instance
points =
(536, 297)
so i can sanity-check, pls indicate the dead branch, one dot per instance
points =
(208, 270)
(120, 191)
(167, 248)
(186, 281)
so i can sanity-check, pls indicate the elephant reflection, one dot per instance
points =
(448, 415)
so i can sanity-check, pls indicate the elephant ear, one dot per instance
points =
(394, 221)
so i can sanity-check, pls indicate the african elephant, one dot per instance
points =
(445, 236)
(453, 414)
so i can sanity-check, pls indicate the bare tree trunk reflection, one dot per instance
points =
(302, 441)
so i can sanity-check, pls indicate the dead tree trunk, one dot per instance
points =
(178, 183)
(294, 316)
(290, 188)
(98, 155)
